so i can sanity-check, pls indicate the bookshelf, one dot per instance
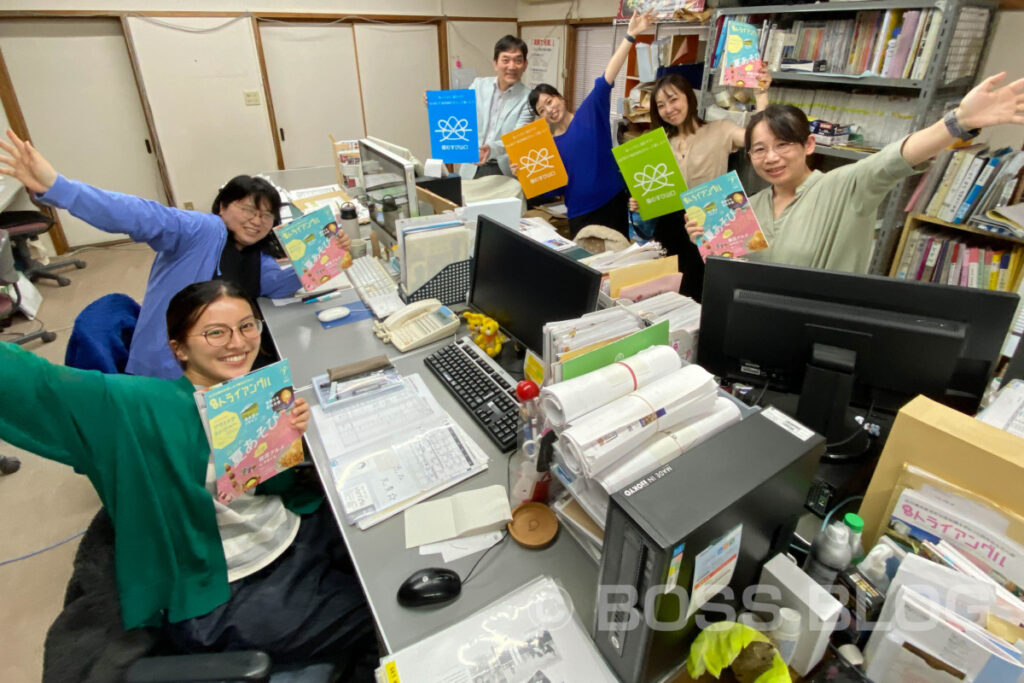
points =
(885, 107)
(911, 250)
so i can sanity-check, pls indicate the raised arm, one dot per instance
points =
(163, 228)
(986, 104)
(638, 23)
(761, 101)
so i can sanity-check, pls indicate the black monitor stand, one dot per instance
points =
(826, 392)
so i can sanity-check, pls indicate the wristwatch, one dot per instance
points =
(630, 38)
(955, 129)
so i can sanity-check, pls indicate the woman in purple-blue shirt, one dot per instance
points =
(233, 242)
(596, 193)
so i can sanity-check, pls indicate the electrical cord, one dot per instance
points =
(42, 550)
(824, 522)
(504, 535)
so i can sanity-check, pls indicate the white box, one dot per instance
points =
(819, 611)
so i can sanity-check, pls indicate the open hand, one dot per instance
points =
(638, 23)
(26, 165)
(299, 415)
(987, 104)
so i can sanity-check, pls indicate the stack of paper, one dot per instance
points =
(682, 314)
(465, 513)
(564, 340)
(601, 438)
(391, 449)
(607, 261)
(426, 245)
(1007, 409)
(539, 230)
(530, 634)
(566, 401)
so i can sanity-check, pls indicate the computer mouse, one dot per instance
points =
(335, 313)
(429, 587)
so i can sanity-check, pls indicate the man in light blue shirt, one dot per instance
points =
(501, 107)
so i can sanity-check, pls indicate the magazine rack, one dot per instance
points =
(450, 286)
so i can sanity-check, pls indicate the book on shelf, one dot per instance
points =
(246, 421)
(741, 63)
(932, 255)
(964, 185)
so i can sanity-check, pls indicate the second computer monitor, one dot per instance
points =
(523, 284)
(837, 338)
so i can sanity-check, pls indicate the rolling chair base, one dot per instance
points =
(9, 465)
(35, 272)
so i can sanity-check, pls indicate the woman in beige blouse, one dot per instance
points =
(702, 151)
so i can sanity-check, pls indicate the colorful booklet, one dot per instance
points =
(453, 134)
(722, 208)
(540, 166)
(651, 173)
(246, 420)
(741, 64)
(313, 244)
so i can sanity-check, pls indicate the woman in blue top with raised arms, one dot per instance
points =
(596, 193)
(233, 242)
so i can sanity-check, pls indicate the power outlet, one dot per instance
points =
(188, 206)
(252, 98)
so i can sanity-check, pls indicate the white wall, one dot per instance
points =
(1006, 55)
(557, 10)
(455, 8)
(472, 43)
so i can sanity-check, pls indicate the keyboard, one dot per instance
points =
(478, 383)
(375, 285)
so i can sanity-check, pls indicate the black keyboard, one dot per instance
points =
(485, 390)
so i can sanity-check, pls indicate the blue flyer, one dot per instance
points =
(453, 134)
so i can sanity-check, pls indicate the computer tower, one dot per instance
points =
(715, 514)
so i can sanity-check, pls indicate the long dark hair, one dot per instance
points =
(692, 122)
(187, 305)
(261, 191)
(542, 89)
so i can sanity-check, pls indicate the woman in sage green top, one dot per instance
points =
(827, 220)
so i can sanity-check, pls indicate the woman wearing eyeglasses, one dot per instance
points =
(261, 572)
(232, 242)
(827, 220)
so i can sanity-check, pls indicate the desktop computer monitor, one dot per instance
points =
(523, 284)
(841, 339)
(387, 173)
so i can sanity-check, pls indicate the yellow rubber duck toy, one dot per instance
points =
(489, 338)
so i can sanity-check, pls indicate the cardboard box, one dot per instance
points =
(952, 446)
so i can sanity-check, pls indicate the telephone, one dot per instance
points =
(417, 324)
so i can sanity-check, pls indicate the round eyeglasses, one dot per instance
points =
(220, 335)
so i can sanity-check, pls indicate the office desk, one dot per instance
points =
(379, 553)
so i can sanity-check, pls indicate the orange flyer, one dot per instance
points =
(540, 167)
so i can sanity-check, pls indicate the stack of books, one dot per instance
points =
(931, 256)
(881, 119)
(964, 184)
(893, 43)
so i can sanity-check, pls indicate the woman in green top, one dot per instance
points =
(251, 574)
(827, 220)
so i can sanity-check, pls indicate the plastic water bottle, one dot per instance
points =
(855, 524)
(787, 633)
(830, 554)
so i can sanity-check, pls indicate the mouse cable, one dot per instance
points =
(504, 535)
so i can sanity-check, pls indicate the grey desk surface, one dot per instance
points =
(379, 553)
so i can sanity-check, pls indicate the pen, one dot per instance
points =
(323, 297)
(312, 297)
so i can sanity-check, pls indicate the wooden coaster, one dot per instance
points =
(533, 525)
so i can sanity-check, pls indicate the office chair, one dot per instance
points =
(9, 306)
(29, 225)
(102, 334)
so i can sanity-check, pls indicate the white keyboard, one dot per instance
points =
(375, 285)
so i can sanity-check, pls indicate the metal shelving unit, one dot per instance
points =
(931, 91)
